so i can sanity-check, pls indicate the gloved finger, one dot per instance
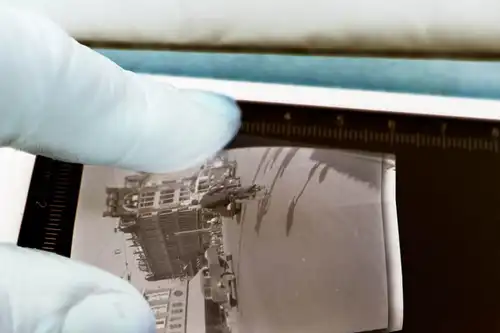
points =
(63, 100)
(45, 293)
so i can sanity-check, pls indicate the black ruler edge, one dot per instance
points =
(272, 124)
(49, 214)
(429, 265)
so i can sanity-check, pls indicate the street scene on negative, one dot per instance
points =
(267, 239)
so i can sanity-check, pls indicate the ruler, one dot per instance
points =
(50, 210)
(363, 130)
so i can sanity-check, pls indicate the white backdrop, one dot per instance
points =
(15, 175)
(450, 26)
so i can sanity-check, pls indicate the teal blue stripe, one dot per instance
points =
(437, 77)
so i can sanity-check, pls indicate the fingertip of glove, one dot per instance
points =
(196, 131)
(110, 313)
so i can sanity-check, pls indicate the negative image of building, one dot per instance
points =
(169, 234)
(184, 309)
(169, 306)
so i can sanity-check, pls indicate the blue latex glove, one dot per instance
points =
(60, 99)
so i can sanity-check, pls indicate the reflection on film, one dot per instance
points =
(255, 240)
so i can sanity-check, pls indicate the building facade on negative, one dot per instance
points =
(170, 307)
(183, 308)
(166, 230)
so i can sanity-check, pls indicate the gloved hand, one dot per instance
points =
(62, 100)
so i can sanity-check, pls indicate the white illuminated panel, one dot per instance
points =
(15, 175)
(399, 103)
(392, 247)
